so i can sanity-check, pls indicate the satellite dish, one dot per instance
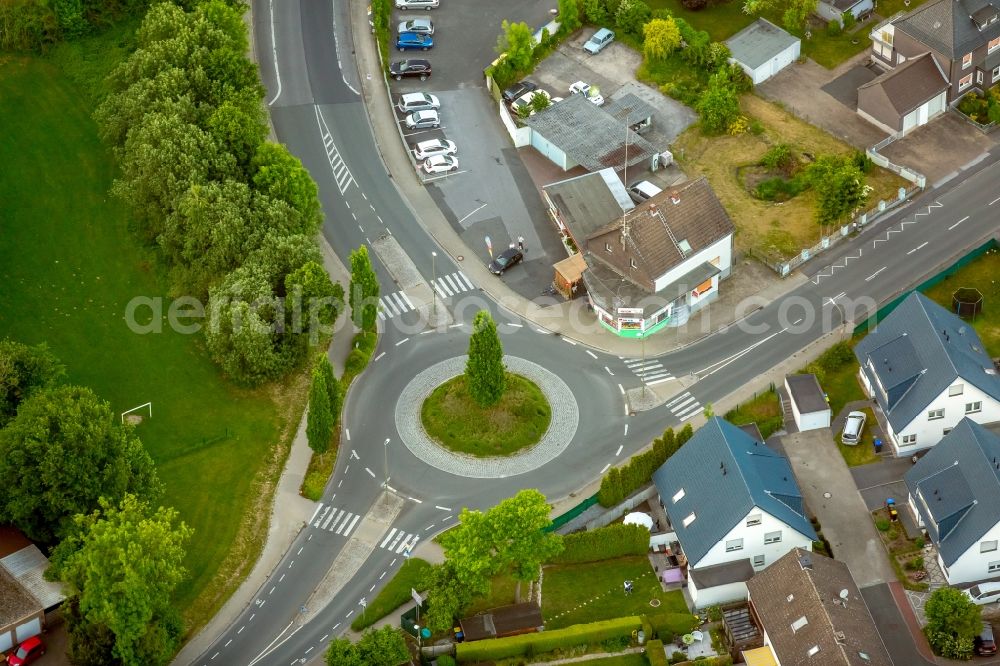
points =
(844, 594)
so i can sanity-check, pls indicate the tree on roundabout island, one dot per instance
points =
(487, 377)
(486, 411)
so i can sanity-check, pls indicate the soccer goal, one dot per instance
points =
(148, 405)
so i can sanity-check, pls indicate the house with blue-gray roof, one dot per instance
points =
(954, 494)
(735, 508)
(927, 370)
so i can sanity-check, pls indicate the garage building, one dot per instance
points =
(21, 615)
(809, 406)
(763, 49)
(905, 97)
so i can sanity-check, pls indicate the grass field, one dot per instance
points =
(519, 420)
(775, 231)
(764, 410)
(981, 274)
(503, 592)
(70, 265)
(567, 587)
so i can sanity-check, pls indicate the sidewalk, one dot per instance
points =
(290, 511)
(583, 327)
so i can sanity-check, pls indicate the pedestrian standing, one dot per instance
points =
(520, 243)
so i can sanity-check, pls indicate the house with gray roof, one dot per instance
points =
(961, 36)
(927, 369)
(735, 507)
(762, 49)
(834, 10)
(576, 132)
(893, 100)
(954, 494)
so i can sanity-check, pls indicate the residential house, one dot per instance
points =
(647, 266)
(926, 370)
(735, 507)
(811, 612)
(962, 38)
(762, 49)
(834, 10)
(905, 97)
(954, 493)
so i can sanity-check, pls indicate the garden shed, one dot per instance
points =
(763, 49)
(504, 621)
(809, 406)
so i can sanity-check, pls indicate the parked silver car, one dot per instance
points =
(410, 102)
(417, 4)
(423, 119)
(853, 427)
(433, 147)
(421, 26)
(601, 38)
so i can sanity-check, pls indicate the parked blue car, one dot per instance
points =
(413, 40)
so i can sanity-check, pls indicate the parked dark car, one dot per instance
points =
(983, 644)
(518, 89)
(414, 40)
(410, 68)
(505, 260)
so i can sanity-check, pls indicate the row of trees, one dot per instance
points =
(35, 25)
(234, 215)
(377, 647)
(620, 482)
(77, 476)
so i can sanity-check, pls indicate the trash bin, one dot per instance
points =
(878, 445)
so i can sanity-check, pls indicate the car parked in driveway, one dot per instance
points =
(505, 260)
(526, 99)
(440, 164)
(412, 41)
(854, 425)
(984, 644)
(28, 652)
(422, 26)
(588, 91)
(518, 89)
(601, 38)
(433, 147)
(423, 119)
(402, 69)
(643, 190)
(410, 102)
(417, 4)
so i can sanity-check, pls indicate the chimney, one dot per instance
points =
(674, 199)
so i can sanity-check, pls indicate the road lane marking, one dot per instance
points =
(994, 201)
(274, 52)
(605, 468)
(591, 354)
(872, 276)
(380, 356)
(348, 431)
(370, 472)
(443, 508)
(609, 371)
(626, 430)
(620, 447)
(958, 223)
(565, 339)
(472, 213)
(416, 500)
(402, 341)
(919, 247)
(318, 507)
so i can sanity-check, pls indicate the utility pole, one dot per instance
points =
(642, 343)
(385, 448)
(433, 278)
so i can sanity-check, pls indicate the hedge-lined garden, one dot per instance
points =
(621, 482)
(547, 641)
(603, 544)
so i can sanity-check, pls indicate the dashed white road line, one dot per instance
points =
(380, 356)
(958, 223)
(565, 339)
(873, 275)
(591, 354)
(370, 472)
(443, 508)
(621, 389)
(620, 447)
(994, 201)
(609, 371)
(605, 468)
(402, 341)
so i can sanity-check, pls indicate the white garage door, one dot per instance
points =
(910, 120)
(6, 641)
(29, 629)
(936, 105)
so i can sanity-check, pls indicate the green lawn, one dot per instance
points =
(519, 420)
(70, 264)
(503, 591)
(620, 660)
(395, 593)
(981, 274)
(764, 410)
(864, 452)
(599, 585)
(721, 21)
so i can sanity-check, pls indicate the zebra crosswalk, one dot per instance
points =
(451, 284)
(685, 406)
(337, 521)
(649, 371)
(397, 541)
(394, 304)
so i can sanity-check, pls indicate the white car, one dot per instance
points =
(588, 91)
(434, 147)
(853, 427)
(423, 119)
(409, 102)
(441, 164)
(422, 26)
(417, 4)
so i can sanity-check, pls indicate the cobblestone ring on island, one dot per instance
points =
(562, 427)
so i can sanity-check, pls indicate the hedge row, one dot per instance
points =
(668, 625)
(603, 544)
(546, 641)
(619, 483)
(655, 654)
(724, 660)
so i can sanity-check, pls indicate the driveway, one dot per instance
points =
(900, 635)
(942, 149)
(832, 497)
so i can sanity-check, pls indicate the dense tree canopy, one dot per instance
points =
(120, 567)
(364, 290)
(24, 370)
(319, 423)
(377, 647)
(62, 452)
(953, 621)
(484, 371)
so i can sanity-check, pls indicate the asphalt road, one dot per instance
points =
(316, 112)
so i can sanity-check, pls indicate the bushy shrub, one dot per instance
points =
(833, 28)
(446, 660)
(668, 625)
(778, 157)
(621, 482)
(604, 543)
(779, 189)
(862, 161)
(848, 20)
(655, 654)
(546, 641)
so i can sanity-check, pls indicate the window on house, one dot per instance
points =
(945, 431)
(772, 537)
(689, 519)
(994, 44)
(967, 61)
(909, 439)
(973, 407)
(935, 414)
(799, 623)
(987, 546)
(734, 544)
(812, 651)
(678, 496)
(607, 246)
(957, 389)
(753, 519)
(979, 76)
(993, 567)
(965, 82)
(996, 73)
(758, 560)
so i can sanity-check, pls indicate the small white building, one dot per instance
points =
(762, 49)
(809, 406)
(954, 494)
(927, 370)
(735, 507)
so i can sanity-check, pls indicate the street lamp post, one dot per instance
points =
(433, 278)
(385, 448)
(420, 642)
(642, 344)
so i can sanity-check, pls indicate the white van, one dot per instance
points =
(642, 191)
(984, 593)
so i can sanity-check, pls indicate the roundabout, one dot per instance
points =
(565, 417)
